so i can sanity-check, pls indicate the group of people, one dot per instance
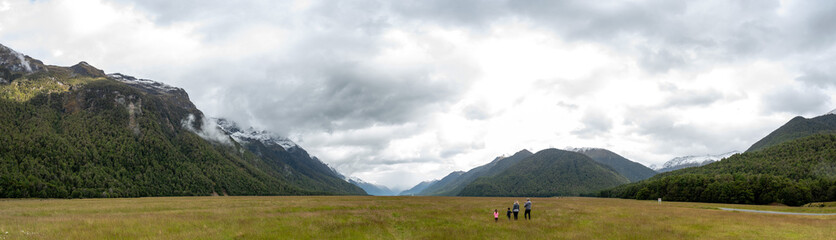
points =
(515, 211)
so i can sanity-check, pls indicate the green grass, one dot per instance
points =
(361, 217)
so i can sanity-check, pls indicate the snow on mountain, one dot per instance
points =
(831, 112)
(691, 161)
(580, 149)
(251, 134)
(143, 82)
(15, 61)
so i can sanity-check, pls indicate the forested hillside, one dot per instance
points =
(454, 183)
(632, 170)
(798, 127)
(792, 173)
(549, 172)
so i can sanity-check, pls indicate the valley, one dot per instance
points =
(372, 217)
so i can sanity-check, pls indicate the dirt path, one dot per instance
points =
(773, 212)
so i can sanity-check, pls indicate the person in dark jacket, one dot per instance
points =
(516, 209)
(508, 213)
(527, 214)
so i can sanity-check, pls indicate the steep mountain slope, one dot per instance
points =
(632, 170)
(76, 132)
(372, 189)
(283, 155)
(417, 188)
(796, 128)
(550, 172)
(692, 161)
(454, 185)
(793, 173)
(446, 180)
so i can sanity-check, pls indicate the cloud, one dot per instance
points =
(398, 92)
(207, 129)
(596, 123)
(797, 100)
(682, 98)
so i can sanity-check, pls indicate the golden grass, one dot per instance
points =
(361, 217)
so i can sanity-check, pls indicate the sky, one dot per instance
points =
(399, 92)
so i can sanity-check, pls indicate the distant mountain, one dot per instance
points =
(446, 180)
(550, 172)
(77, 132)
(453, 184)
(794, 172)
(692, 161)
(798, 127)
(632, 170)
(417, 188)
(372, 189)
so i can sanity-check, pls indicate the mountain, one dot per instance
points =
(453, 184)
(283, 155)
(632, 170)
(372, 189)
(77, 132)
(417, 188)
(795, 172)
(797, 127)
(692, 161)
(549, 172)
(445, 181)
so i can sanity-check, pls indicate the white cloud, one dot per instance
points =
(396, 93)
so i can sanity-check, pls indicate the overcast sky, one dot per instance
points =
(398, 92)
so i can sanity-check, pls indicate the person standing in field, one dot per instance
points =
(508, 213)
(527, 214)
(516, 209)
(495, 215)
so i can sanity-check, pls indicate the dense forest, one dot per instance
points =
(547, 173)
(793, 173)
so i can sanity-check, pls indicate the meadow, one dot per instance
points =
(370, 217)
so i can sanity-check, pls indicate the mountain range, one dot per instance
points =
(453, 183)
(416, 190)
(547, 173)
(482, 180)
(372, 189)
(632, 170)
(78, 132)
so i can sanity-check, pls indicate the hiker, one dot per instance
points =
(527, 214)
(495, 215)
(516, 209)
(508, 213)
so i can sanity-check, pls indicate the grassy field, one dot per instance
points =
(359, 217)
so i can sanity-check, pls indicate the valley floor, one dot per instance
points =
(364, 217)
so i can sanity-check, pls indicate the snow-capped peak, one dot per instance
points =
(697, 160)
(142, 82)
(14, 60)
(580, 149)
(251, 134)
